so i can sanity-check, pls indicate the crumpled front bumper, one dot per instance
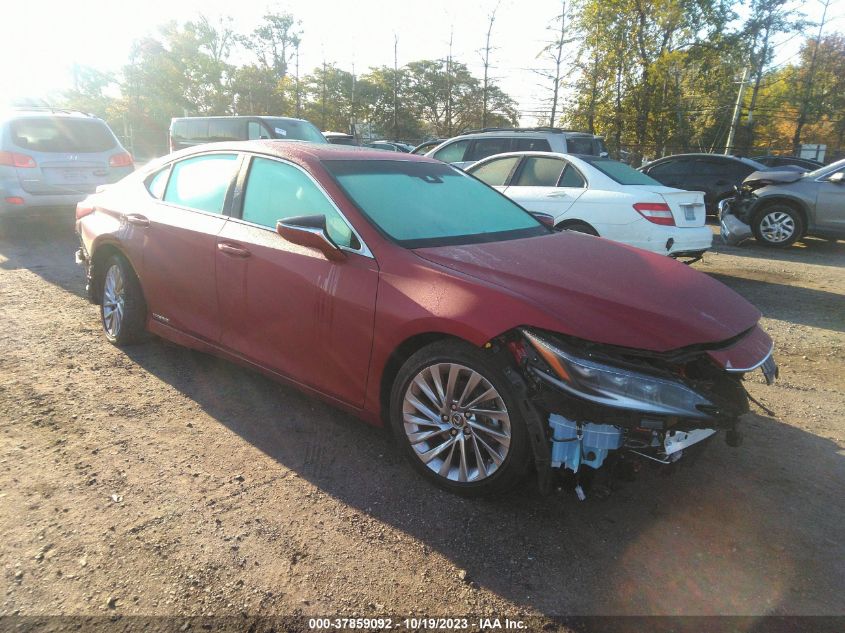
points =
(733, 230)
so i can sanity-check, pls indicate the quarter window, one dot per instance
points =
(278, 191)
(540, 172)
(201, 182)
(571, 178)
(157, 182)
(496, 172)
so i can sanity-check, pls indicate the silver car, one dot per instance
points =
(469, 148)
(51, 159)
(779, 207)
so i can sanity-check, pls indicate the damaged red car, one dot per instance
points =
(413, 295)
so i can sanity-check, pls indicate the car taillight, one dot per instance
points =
(124, 159)
(13, 159)
(656, 212)
(84, 208)
(17, 200)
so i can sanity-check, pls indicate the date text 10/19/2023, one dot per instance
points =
(416, 624)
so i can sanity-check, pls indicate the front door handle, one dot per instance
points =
(231, 249)
(137, 220)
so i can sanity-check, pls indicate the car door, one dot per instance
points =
(179, 243)
(289, 308)
(830, 204)
(539, 185)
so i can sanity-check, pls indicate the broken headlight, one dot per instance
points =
(615, 386)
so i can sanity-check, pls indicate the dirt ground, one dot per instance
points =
(155, 480)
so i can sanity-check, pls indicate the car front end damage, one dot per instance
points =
(602, 407)
(737, 212)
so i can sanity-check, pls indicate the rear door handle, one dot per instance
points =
(557, 194)
(231, 249)
(137, 220)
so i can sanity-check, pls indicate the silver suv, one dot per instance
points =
(51, 159)
(464, 150)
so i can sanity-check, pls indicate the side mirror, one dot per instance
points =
(310, 230)
(838, 178)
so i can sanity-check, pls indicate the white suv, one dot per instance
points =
(466, 149)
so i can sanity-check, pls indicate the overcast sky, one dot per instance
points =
(42, 39)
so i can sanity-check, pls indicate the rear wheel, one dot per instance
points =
(457, 420)
(578, 227)
(122, 307)
(777, 224)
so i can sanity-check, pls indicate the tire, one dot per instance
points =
(578, 227)
(777, 225)
(455, 439)
(123, 311)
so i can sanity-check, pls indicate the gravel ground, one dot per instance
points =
(156, 480)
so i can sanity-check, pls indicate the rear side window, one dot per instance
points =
(201, 182)
(670, 169)
(620, 172)
(539, 172)
(484, 147)
(62, 134)
(496, 172)
(453, 152)
(531, 145)
(277, 191)
(580, 145)
(571, 178)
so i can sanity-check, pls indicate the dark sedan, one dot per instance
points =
(714, 174)
(411, 294)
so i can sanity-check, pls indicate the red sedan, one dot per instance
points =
(411, 294)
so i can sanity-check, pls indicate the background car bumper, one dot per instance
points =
(663, 240)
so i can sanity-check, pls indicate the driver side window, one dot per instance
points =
(277, 191)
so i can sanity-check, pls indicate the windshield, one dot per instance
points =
(833, 167)
(431, 204)
(293, 129)
(62, 134)
(620, 172)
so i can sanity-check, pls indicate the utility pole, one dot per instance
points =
(485, 95)
(808, 90)
(737, 108)
(395, 87)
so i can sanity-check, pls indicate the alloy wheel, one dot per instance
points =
(777, 227)
(114, 301)
(456, 422)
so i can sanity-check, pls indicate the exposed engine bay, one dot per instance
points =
(599, 404)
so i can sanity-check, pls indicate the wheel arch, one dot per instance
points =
(796, 203)
(101, 254)
(565, 224)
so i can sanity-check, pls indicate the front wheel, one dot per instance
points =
(777, 225)
(458, 421)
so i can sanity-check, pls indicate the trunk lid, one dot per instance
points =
(687, 206)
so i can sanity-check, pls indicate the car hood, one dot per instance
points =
(758, 179)
(603, 291)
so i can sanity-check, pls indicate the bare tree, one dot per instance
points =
(486, 60)
(555, 50)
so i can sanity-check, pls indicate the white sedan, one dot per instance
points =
(603, 197)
